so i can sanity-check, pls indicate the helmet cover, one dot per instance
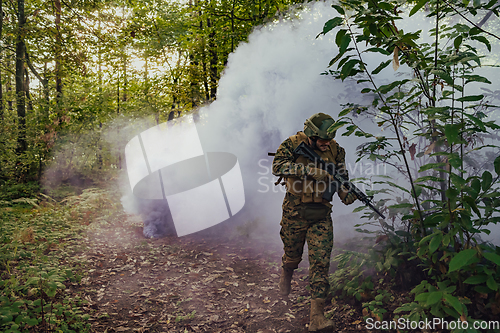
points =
(317, 126)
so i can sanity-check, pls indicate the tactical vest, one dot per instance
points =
(306, 188)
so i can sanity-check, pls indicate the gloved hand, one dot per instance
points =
(347, 197)
(318, 174)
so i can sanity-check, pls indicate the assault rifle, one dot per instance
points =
(338, 179)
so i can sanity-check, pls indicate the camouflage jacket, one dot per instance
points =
(284, 161)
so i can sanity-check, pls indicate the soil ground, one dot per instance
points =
(198, 283)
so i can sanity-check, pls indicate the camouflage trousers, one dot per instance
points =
(316, 229)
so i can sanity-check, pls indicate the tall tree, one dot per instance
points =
(1, 56)
(58, 49)
(20, 90)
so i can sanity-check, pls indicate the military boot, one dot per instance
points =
(285, 283)
(318, 322)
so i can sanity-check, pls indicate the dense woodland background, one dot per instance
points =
(70, 68)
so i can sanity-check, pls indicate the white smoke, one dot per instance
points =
(270, 86)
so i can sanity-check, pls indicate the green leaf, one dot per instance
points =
(398, 186)
(476, 279)
(457, 180)
(51, 292)
(431, 166)
(461, 259)
(493, 257)
(472, 203)
(479, 123)
(476, 185)
(457, 42)
(32, 280)
(454, 302)
(419, 5)
(344, 43)
(331, 24)
(434, 297)
(425, 239)
(444, 75)
(337, 125)
(491, 283)
(487, 180)
(474, 31)
(496, 164)
(402, 205)
(418, 191)
(471, 98)
(344, 112)
(422, 297)
(385, 6)
(377, 49)
(476, 78)
(334, 60)
(346, 69)
(483, 40)
(447, 93)
(339, 9)
(435, 242)
(32, 321)
(338, 38)
(452, 131)
(381, 66)
(350, 130)
(429, 178)
(358, 209)
(399, 95)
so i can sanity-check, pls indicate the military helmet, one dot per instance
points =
(317, 126)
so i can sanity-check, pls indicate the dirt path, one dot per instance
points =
(193, 284)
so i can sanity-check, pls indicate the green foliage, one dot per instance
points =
(434, 138)
(38, 263)
(106, 63)
(377, 307)
(11, 190)
(349, 278)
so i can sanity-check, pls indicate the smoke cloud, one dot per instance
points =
(271, 85)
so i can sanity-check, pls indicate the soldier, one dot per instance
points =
(306, 215)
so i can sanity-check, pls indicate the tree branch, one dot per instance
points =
(34, 71)
(465, 18)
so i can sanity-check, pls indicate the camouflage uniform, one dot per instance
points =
(296, 229)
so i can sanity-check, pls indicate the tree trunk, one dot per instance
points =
(193, 66)
(212, 51)
(99, 59)
(125, 82)
(20, 89)
(57, 5)
(8, 88)
(1, 54)
(27, 90)
(46, 93)
(118, 94)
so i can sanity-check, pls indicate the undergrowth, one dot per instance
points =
(39, 246)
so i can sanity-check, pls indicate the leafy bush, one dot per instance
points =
(38, 263)
(11, 190)
(434, 139)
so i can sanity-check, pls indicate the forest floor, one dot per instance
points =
(214, 282)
